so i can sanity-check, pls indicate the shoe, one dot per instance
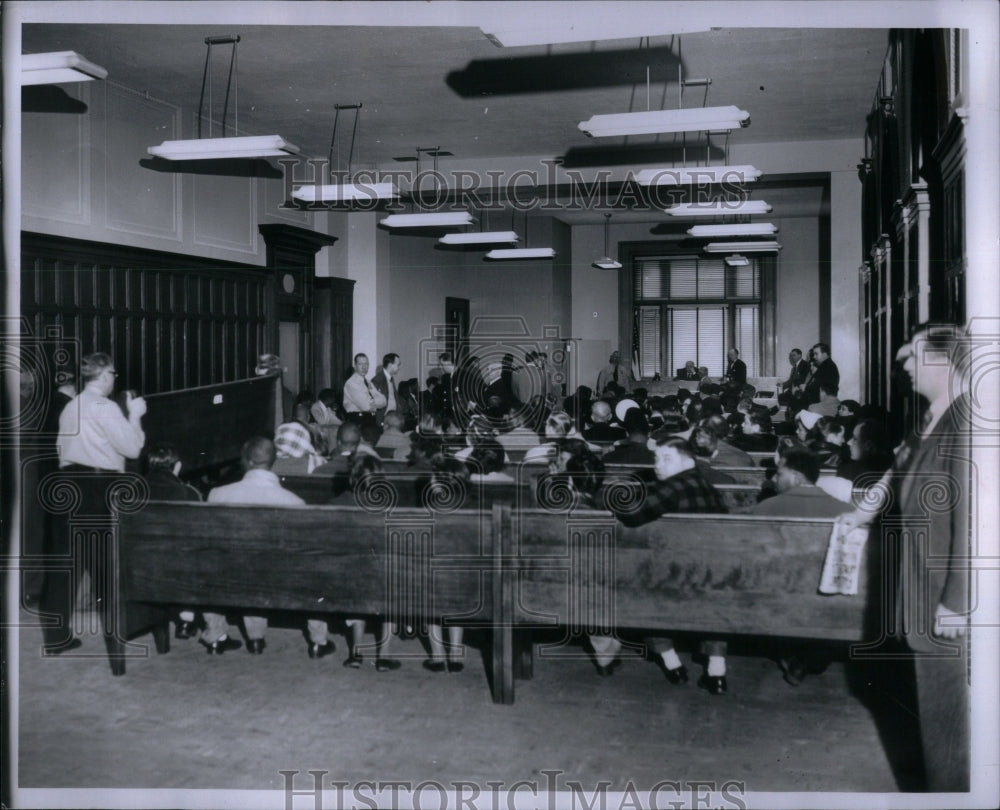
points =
(73, 644)
(220, 646)
(455, 666)
(321, 650)
(607, 670)
(354, 662)
(793, 670)
(677, 675)
(713, 684)
(255, 646)
(435, 666)
(185, 630)
(387, 665)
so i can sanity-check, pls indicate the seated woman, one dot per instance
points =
(486, 463)
(828, 443)
(365, 469)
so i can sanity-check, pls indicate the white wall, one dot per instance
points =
(82, 177)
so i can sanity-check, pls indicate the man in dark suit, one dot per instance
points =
(932, 604)
(796, 379)
(384, 382)
(826, 374)
(689, 372)
(736, 371)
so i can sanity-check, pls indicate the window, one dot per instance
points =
(689, 308)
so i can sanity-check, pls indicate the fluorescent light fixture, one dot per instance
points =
(521, 253)
(434, 219)
(770, 246)
(716, 208)
(692, 175)
(606, 262)
(577, 30)
(735, 229)
(244, 146)
(346, 192)
(691, 119)
(479, 238)
(736, 260)
(58, 67)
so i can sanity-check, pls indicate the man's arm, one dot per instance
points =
(124, 435)
(657, 501)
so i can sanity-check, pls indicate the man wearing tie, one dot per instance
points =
(362, 400)
(736, 371)
(616, 372)
(384, 382)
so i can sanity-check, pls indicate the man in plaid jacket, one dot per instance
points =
(679, 487)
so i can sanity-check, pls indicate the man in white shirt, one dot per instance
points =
(94, 440)
(362, 400)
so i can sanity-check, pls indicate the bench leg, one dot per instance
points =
(524, 655)
(116, 653)
(161, 636)
(502, 665)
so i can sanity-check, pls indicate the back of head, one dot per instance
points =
(487, 457)
(348, 437)
(162, 456)
(300, 413)
(586, 470)
(558, 424)
(711, 406)
(803, 461)
(394, 420)
(600, 412)
(718, 425)
(703, 441)
(786, 444)
(327, 397)
(635, 421)
(362, 466)
(370, 433)
(258, 453)
(693, 410)
(673, 423)
(93, 365)
(681, 445)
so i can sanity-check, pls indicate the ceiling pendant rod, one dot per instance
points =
(206, 76)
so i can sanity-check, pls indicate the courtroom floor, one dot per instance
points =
(192, 721)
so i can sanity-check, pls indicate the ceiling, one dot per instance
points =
(451, 87)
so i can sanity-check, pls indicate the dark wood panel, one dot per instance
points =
(169, 321)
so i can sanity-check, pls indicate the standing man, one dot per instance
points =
(932, 598)
(615, 371)
(826, 374)
(362, 401)
(736, 371)
(385, 383)
(95, 438)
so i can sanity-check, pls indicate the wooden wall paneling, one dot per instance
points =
(169, 321)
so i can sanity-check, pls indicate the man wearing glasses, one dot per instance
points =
(94, 440)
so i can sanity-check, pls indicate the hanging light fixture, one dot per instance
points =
(717, 208)
(250, 146)
(695, 175)
(764, 246)
(345, 192)
(431, 219)
(606, 262)
(58, 67)
(735, 229)
(654, 122)
(521, 253)
(736, 260)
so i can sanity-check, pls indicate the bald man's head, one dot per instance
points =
(600, 411)
(258, 453)
(348, 437)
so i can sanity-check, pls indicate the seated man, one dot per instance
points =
(601, 429)
(798, 496)
(260, 487)
(728, 455)
(705, 445)
(757, 435)
(828, 404)
(689, 372)
(164, 485)
(514, 435)
(633, 450)
(393, 436)
(679, 487)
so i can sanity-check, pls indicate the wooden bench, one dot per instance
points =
(401, 565)
(500, 570)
